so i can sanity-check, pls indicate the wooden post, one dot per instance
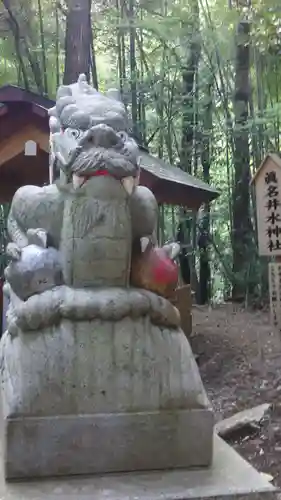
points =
(183, 301)
(274, 282)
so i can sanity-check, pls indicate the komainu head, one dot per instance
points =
(89, 136)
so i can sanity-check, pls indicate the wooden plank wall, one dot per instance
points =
(183, 301)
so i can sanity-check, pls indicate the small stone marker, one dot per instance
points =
(246, 418)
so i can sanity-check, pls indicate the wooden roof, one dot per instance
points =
(166, 179)
(12, 93)
(25, 113)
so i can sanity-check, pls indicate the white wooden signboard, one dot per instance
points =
(267, 183)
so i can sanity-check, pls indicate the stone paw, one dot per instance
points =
(13, 251)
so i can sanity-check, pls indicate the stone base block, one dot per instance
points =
(91, 444)
(229, 477)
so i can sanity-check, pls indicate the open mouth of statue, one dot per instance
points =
(128, 183)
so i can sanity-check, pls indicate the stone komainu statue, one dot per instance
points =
(93, 346)
(96, 211)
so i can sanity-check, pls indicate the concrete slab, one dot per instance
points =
(230, 476)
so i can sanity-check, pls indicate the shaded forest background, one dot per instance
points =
(200, 79)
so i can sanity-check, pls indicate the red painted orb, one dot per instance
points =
(153, 270)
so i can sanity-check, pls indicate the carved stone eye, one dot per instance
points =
(75, 133)
(123, 136)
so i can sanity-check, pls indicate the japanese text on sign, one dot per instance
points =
(273, 217)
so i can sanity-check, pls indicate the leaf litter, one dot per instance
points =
(239, 357)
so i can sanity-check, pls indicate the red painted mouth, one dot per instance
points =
(98, 173)
(128, 183)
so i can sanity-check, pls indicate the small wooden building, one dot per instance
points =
(24, 140)
(24, 155)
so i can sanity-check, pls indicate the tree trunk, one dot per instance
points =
(191, 42)
(204, 292)
(133, 68)
(242, 238)
(78, 40)
(188, 75)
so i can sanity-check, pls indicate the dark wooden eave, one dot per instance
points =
(12, 93)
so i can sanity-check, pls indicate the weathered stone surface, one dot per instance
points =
(87, 366)
(96, 237)
(229, 477)
(246, 418)
(93, 371)
(120, 442)
(99, 367)
(35, 270)
(79, 105)
(144, 210)
(34, 207)
(63, 303)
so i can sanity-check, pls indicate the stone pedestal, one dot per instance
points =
(102, 443)
(108, 393)
(229, 477)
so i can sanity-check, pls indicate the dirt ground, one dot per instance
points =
(240, 363)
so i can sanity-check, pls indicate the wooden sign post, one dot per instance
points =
(267, 182)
